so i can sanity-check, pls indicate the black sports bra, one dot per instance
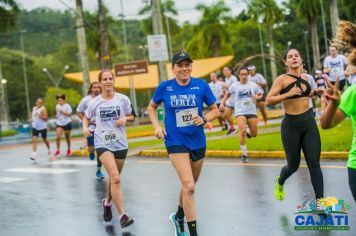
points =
(299, 81)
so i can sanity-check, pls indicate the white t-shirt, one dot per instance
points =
(217, 89)
(37, 122)
(62, 119)
(336, 65)
(106, 113)
(257, 78)
(243, 94)
(313, 85)
(83, 106)
(230, 81)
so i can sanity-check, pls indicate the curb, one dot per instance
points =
(251, 154)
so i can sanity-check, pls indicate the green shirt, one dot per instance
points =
(348, 106)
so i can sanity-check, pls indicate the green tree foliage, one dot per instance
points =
(72, 97)
(212, 37)
(8, 12)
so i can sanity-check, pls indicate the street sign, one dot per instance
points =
(157, 47)
(131, 68)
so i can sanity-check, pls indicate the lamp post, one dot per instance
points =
(260, 20)
(4, 108)
(307, 50)
(324, 27)
(56, 82)
(25, 73)
(131, 80)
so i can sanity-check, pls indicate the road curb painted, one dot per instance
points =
(250, 154)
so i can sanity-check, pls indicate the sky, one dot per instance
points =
(186, 8)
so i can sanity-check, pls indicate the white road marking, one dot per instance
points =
(42, 170)
(73, 162)
(10, 179)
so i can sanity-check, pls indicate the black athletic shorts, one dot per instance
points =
(195, 155)
(248, 116)
(66, 127)
(43, 133)
(120, 154)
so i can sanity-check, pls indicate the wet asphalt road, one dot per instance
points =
(232, 199)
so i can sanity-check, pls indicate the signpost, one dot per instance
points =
(157, 47)
(130, 69)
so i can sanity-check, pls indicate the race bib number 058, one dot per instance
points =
(109, 136)
(185, 117)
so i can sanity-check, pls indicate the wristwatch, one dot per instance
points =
(205, 120)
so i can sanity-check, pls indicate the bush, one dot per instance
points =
(7, 133)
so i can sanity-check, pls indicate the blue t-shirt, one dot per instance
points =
(181, 103)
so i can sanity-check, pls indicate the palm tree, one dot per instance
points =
(271, 14)
(8, 12)
(212, 38)
(167, 6)
(310, 9)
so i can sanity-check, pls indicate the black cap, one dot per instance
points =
(180, 57)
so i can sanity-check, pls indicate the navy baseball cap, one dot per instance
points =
(180, 57)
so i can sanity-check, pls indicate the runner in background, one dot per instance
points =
(262, 83)
(334, 66)
(94, 90)
(218, 87)
(245, 94)
(64, 123)
(230, 79)
(39, 126)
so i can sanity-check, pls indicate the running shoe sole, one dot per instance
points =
(128, 223)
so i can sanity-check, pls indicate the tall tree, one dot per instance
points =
(104, 53)
(212, 38)
(334, 15)
(271, 14)
(8, 12)
(310, 9)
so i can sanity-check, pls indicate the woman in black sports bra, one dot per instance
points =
(298, 130)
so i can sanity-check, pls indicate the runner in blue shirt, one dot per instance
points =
(185, 141)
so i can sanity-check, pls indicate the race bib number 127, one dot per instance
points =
(185, 117)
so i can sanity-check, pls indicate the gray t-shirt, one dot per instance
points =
(336, 66)
(257, 78)
(244, 103)
(83, 106)
(106, 113)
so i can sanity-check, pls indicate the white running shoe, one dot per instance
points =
(33, 156)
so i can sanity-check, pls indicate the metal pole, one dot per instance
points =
(324, 27)
(262, 51)
(82, 45)
(307, 50)
(131, 81)
(169, 37)
(25, 75)
(4, 108)
(158, 29)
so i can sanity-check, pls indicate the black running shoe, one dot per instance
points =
(107, 211)
(244, 159)
(231, 131)
(126, 221)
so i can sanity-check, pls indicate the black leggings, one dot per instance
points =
(352, 181)
(300, 132)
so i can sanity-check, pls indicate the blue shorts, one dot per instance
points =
(195, 155)
(90, 141)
